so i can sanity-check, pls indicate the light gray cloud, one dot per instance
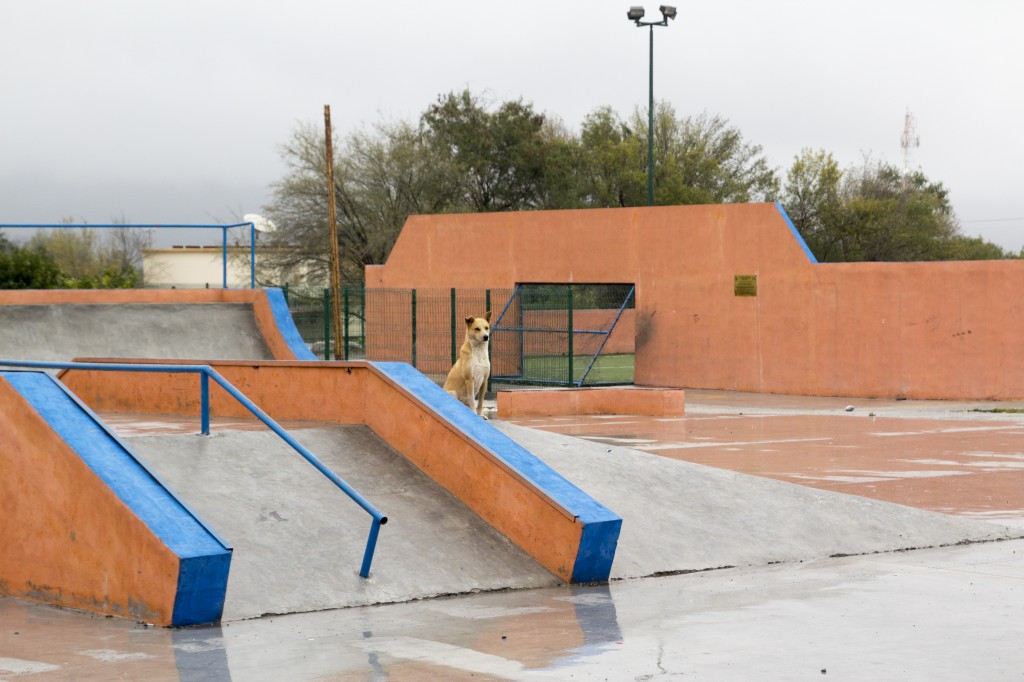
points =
(174, 112)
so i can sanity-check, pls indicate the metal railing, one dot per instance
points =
(206, 373)
(153, 226)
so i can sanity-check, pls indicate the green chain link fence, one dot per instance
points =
(542, 334)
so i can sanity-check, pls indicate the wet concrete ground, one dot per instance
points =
(936, 614)
(954, 458)
(929, 615)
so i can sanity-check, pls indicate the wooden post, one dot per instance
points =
(332, 225)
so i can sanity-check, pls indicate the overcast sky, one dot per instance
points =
(174, 112)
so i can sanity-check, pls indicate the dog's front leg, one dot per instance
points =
(480, 399)
(469, 394)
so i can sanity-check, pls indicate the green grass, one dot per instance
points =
(608, 369)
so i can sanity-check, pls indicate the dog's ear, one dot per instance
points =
(470, 320)
(487, 316)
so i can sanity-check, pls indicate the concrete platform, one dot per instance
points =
(680, 517)
(653, 402)
(961, 458)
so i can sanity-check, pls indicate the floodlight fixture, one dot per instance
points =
(259, 223)
(636, 15)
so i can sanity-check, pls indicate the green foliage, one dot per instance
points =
(697, 160)
(703, 160)
(85, 261)
(613, 162)
(28, 268)
(874, 212)
(811, 199)
(975, 248)
(499, 158)
(111, 277)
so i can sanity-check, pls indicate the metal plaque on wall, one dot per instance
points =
(744, 285)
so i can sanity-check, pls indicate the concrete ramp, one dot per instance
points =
(131, 330)
(679, 517)
(199, 324)
(298, 541)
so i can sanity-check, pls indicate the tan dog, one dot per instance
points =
(467, 380)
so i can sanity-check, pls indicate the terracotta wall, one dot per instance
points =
(951, 330)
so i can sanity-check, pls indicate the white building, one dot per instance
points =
(203, 266)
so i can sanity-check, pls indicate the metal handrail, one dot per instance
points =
(206, 373)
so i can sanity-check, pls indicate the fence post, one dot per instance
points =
(362, 316)
(204, 402)
(570, 330)
(413, 327)
(487, 307)
(327, 324)
(454, 347)
(345, 354)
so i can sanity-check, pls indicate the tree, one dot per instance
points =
(382, 176)
(87, 261)
(562, 185)
(811, 199)
(975, 248)
(499, 158)
(697, 160)
(28, 268)
(889, 216)
(875, 212)
(613, 164)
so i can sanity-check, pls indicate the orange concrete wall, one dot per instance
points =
(255, 297)
(355, 393)
(951, 330)
(57, 514)
(654, 402)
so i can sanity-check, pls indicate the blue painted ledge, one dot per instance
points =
(204, 559)
(600, 525)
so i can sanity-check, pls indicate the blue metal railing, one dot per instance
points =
(205, 374)
(175, 226)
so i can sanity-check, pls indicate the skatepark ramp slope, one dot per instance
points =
(199, 324)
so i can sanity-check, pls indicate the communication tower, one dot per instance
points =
(909, 141)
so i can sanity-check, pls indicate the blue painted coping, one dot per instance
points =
(600, 525)
(204, 559)
(286, 325)
(796, 233)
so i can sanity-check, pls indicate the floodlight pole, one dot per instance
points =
(635, 15)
